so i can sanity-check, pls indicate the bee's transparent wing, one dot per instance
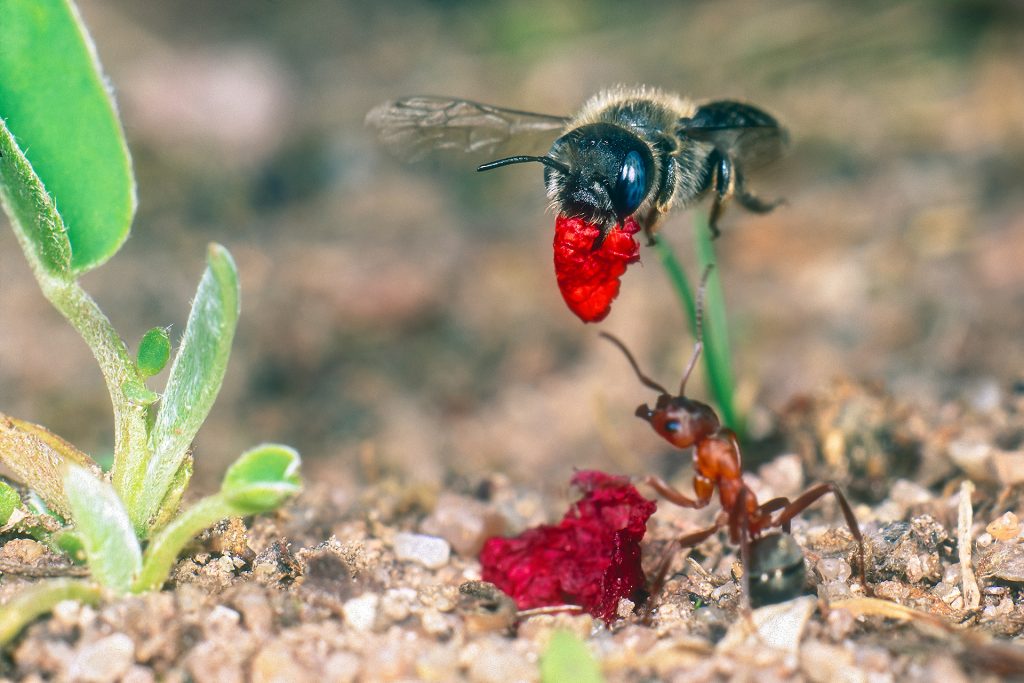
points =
(749, 135)
(412, 126)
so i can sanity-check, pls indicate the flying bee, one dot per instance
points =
(628, 152)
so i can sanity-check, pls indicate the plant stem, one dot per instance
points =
(116, 365)
(39, 599)
(164, 548)
(717, 355)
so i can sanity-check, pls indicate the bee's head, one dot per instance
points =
(599, 172)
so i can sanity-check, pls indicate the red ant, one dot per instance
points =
(775, 559)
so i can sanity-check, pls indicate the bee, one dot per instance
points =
(628, 152)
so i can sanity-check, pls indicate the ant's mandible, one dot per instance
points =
(773, 561)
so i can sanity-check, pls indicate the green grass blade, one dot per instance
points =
(112, 553)
(567, 660)
(194, 381)
(59, 108)
(717, 352)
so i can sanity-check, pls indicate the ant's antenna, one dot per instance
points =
(547, 161)
(647, 381)
(698, 323)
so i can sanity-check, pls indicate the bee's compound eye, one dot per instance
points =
(631, 185)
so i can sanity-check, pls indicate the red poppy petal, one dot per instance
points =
(589, 278)
(591, 558)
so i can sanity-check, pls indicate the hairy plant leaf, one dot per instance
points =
(36, 457)
(568, 659)
(58, 107)
(35, 220)
(262, 479)
(195, 377)
(154, 351)
(113, 554)
(9, 502)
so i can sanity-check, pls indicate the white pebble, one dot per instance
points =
(107, 659)
(430, 551)
(361, 613)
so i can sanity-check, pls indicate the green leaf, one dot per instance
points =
(9, 501)
(38, 599)
(262, 479)
(35, 221)
(59, 108)
(111, 550)
(567, 660)
(36, 457)
(195, 378)
(154, 351)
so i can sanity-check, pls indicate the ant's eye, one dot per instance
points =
(672, 426)
(631, 185)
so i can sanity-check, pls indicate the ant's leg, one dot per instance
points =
(771, 506)
(811, 495)
(687, 541)
(674, 495)
(743, 521)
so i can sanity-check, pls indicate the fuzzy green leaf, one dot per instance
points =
(195, 377)
(36, 222)
(57, 105)
(262, 479)
(567, 660)
(154, 351)
(113, 554)
(36, 457)
(9, 502)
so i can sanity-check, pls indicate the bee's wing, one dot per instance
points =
(749, 135)
(412, 126)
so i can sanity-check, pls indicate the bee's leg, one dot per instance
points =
(750, 201)
(652, 222)
(723, 180)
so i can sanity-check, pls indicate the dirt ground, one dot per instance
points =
(401, 327)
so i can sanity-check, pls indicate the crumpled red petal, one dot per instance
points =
(589, 278)
(590, 559)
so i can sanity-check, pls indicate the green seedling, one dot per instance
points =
(67, 186)
(567, 660)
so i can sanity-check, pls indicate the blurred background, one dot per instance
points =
(405, 319)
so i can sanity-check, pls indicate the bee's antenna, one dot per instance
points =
(698, 323)
(522, 159)
(647, 381)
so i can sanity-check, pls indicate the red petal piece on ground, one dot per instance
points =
(589, 278)
(590, 559)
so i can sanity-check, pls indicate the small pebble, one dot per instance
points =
(107, 659)
(430, 551)
(396, 603)
(780, 627)
(1009, 467)
(1005, 527)
(361, 613)
(973, 456)
(464, 522)
(833, 569)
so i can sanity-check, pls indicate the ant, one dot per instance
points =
(773, 563)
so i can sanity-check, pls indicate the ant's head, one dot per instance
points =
(679, 420)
